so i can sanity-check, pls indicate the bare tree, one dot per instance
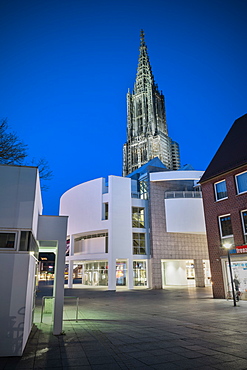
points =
(45, 172)
(14, 151)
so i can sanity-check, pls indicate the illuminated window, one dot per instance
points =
(226, 229)
(138, 217)
(139, 243)
(241, 182)
(220, 190)
(7, 240)
(140, 273)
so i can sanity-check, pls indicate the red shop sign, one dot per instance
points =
(241, 249)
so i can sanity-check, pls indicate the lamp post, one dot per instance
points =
(228, 246)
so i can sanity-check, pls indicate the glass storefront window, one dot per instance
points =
(121, 273)
(239, 272)
(140, 273)
(95, 273)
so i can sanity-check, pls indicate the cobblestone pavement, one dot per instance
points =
(174, 328)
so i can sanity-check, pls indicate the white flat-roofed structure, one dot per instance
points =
(101, 233)
(123, 231)
(24, 231)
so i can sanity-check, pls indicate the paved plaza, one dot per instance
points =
(174, 328)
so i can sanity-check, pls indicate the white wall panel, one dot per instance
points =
(83, 204)
(18, 186)
(185, 215)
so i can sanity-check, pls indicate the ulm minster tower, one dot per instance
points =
(147, 134)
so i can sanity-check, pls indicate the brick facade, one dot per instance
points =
(233, 205)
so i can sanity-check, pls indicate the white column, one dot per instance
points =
(58, 291)
(130, 274)
(199, 273)
(111, 274)
(71, 264)
(70, 274)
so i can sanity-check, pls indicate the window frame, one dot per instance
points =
(243, 225)
(216, 193)
(219, 218)
(105, 211)
(236, 181)
(139, 218)
(15, 232)
(139, 246)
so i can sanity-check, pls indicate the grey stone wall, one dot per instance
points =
(171, 245)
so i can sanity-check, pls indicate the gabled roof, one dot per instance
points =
(154, 164)
(232, 153)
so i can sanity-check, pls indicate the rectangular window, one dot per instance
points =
(140, 273)
(25, 240)
(105, 211)
(244, 221)
(226, 230)
(241, 182)
(138, 217)
(220, 190)
(225, 226)
(7, 240)
(139, 245)
(143, 189)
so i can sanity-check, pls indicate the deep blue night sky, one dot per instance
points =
(66, 66)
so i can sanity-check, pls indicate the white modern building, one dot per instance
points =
(146, 230)
(24, 232)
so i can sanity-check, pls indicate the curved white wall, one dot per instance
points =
(83, 205)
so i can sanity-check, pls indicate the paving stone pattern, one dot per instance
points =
(174, 328)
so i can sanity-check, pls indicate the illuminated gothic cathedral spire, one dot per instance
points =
(147, 134)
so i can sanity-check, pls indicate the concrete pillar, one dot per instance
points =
(199, 273)
(112, 274)
(70, 274)
(71, 253)
(130, 274)
(156, 273)
(58, 291)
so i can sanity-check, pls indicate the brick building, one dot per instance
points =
(224, 188)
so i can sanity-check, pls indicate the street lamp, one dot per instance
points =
(228, 246)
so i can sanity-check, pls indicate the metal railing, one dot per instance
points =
(183, 194)
(50, 311)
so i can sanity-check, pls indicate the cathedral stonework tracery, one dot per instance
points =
(147, 134)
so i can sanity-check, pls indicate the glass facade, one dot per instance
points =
(138, 217)
(139, 245)
(143, 189)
